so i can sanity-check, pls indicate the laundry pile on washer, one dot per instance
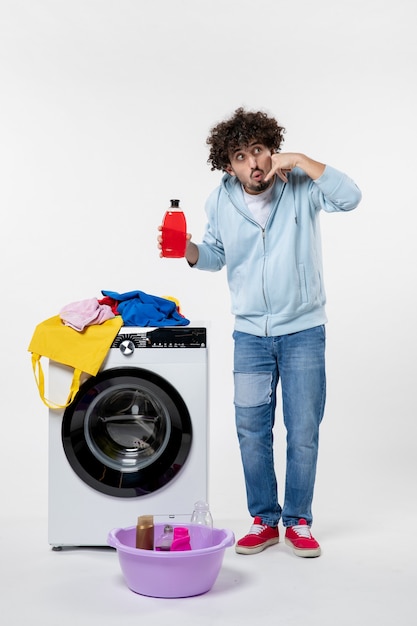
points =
(137, 308)
(96, 322)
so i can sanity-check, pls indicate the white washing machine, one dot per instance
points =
(135, 439)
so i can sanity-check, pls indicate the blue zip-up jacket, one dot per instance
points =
(275, 273)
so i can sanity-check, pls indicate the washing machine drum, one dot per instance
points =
(127, 433)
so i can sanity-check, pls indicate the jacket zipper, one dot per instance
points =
(263, 231)
(263, 281)
(263, 241)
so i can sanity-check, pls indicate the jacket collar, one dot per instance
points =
(233, 189)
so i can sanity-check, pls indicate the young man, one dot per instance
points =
(263, 225)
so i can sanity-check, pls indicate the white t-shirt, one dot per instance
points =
(259, 204)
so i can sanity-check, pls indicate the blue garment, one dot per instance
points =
(141, 309)
(298, 360)
(275, 273)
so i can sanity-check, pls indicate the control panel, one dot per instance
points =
(177, 337)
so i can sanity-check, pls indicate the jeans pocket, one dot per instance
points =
(252, 388)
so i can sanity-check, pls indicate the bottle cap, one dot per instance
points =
(145, 521)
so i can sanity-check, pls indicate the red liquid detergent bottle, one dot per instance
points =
(174, 232)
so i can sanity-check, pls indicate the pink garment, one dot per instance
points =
(83, 313)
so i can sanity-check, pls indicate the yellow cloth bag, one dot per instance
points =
(84, 351)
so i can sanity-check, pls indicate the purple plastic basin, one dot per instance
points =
(172, 574)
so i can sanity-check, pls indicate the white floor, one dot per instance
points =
(367, 575)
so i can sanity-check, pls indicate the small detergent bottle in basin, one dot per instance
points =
(164, 541)
(144, 532)
(201, 527)
(181, 540)
(201, 514)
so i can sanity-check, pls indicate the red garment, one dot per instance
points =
(111, 303)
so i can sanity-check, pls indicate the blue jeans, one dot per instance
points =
(259, 363)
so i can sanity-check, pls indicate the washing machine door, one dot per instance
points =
(127, 433)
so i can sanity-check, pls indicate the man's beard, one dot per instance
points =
(258, 187)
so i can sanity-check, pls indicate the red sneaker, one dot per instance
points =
(260, 536)
(301, 540)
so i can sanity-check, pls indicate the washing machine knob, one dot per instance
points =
(127, 347)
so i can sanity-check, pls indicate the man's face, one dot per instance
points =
(250, 164)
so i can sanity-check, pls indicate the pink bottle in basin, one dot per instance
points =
(174, 231)
(181, 539)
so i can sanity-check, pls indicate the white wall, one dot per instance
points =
(104, 111)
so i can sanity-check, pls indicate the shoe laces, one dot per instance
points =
(256, 529)
(302, 530)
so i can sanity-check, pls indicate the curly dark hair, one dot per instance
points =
(238, 131)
